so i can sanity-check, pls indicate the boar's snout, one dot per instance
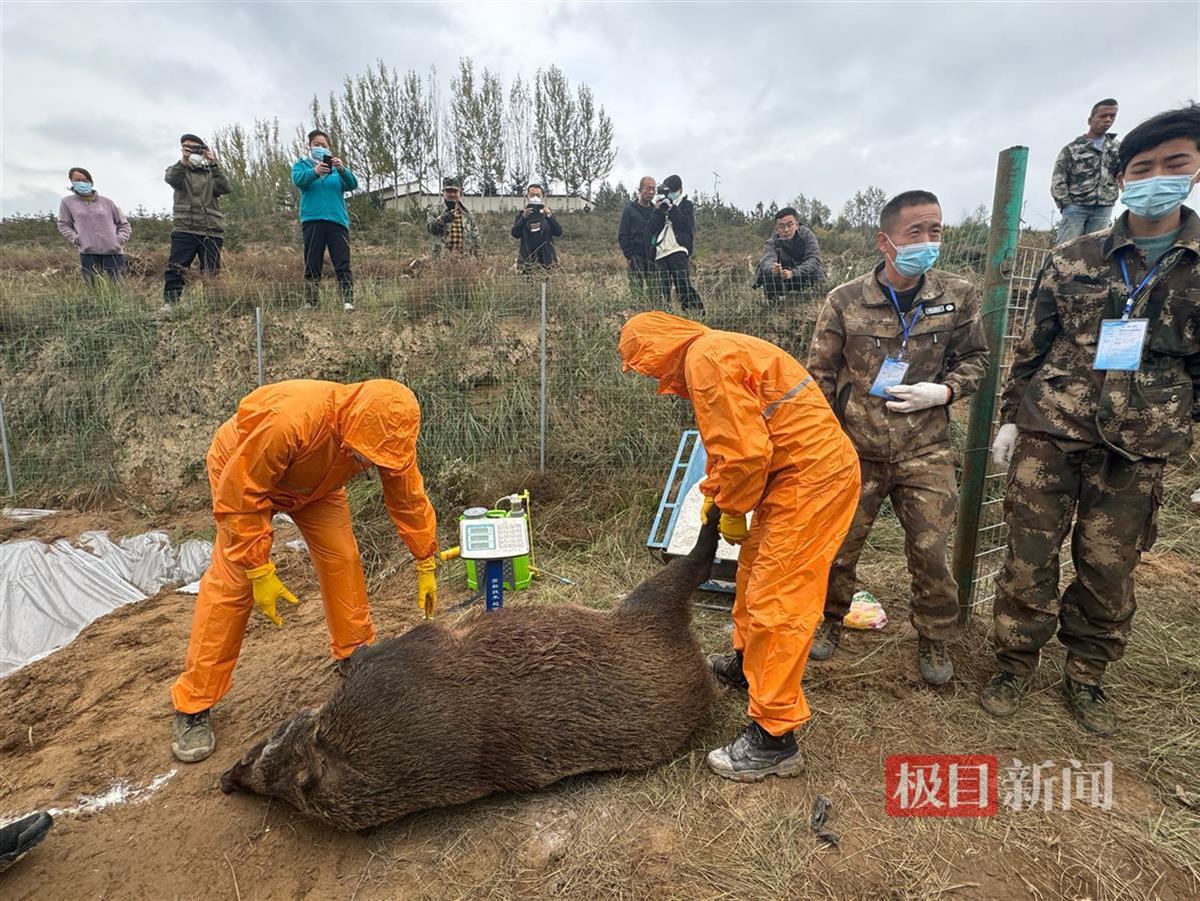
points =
(229, 779)
(233, 779)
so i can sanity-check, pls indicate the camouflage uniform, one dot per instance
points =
(1092, 444)
(438, 228)
(1084, 186)
(904, 456)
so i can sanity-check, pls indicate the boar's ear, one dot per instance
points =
(312, 771)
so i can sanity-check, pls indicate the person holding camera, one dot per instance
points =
(199, 223)
(95, 225)
(791, 258)
(323, 180)
(536, 228)
(633, 237)
(452, 225)
(672, 226)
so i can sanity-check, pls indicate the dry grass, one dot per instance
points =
(676, 832)
(100, 381)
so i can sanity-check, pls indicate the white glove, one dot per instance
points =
(1002, 447)
(920, 396)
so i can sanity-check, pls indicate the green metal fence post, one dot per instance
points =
(1001, 253)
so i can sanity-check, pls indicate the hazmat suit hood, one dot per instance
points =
(656, 345)
(380, 420)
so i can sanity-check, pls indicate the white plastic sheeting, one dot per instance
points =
(687, 528)
(49, 592)
(25, 514)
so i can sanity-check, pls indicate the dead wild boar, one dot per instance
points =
(505, 701)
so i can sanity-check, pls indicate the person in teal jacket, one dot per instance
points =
(323, 180)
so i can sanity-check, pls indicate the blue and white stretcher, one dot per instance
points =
(677, 522)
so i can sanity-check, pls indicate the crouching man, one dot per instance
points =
(291, 447)
(791, 258)
(775, 448)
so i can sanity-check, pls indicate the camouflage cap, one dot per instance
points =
(451, 182)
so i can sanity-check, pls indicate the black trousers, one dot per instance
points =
(110, 265)
(321, 235)
(775, 286)
(185, 247)
(643, 276)
(673, 270)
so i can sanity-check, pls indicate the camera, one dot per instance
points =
(661, 199)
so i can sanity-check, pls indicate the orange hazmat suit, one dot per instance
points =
(774, 447)
(290, 448)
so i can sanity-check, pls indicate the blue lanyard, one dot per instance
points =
(1134, 292)
(905, 327)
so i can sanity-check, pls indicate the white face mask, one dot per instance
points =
(196, 159)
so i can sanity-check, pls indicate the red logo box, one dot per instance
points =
(941, 785)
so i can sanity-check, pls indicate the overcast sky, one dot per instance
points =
(777, 98)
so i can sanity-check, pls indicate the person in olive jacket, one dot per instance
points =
(199, 223)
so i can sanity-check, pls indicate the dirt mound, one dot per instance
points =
(98, 713)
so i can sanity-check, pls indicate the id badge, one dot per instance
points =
(1120, 347)
(891, 373)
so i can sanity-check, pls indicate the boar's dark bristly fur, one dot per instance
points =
(504, 701)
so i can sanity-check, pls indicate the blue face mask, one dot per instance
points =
(320, 154)
(916, 259)
(674, 196)
(82, 188)
(1156, 197)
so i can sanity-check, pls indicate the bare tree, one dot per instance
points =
(519, 136)
(489, 133)
(462, 122)
(417, 130)
(863, 209)
(595, 151)
(555, 118)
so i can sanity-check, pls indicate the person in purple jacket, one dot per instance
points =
(95, 225)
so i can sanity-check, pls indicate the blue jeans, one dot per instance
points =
(1082, 219)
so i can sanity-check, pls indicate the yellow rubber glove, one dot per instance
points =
(704, 508)
(267, 590)
(427, 585)
(733, 527)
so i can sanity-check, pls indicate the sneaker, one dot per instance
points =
(826, 639)
(1089, 707)
(192, 737)
(17, 838)
(756, 754)
(727, 668)
(936, 666)
(1002, 694)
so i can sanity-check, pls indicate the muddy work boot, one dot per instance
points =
(756, 754)
(935, 664)
(192, 737)
(1089, 706)
(1002, 694)
(727, 669)
(825, 640)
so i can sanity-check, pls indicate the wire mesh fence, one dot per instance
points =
(992, 533)
(100, 390)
